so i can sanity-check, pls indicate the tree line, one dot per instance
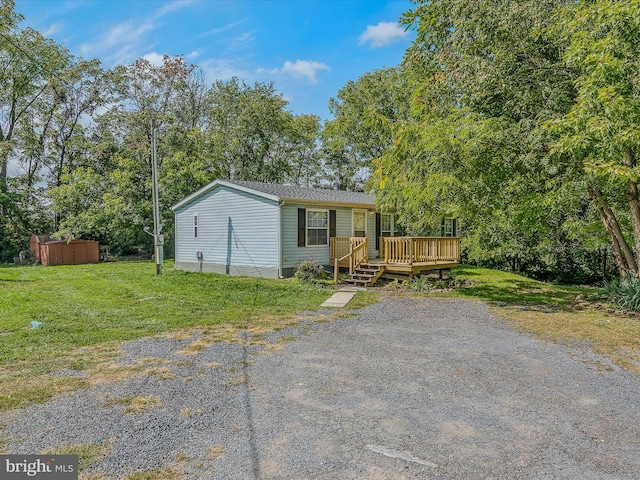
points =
(524, 123)
(519, 118)
(75, 141)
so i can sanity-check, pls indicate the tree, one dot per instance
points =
(147, 97)
(488, 76)
(28, 64)
(9, 18)
(600, 136)
(300, 149)
(246, 126)
(363, 111)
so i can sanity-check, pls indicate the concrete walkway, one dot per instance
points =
(341, 298)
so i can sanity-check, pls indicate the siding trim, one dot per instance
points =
(280, 240)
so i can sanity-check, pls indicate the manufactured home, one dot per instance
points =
(264, 229)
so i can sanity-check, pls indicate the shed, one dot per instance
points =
(55, 251)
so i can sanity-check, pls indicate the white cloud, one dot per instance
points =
(383, 34)
(123, 39)
(154, 58)
(216, 31)
(303, 68)
(173, 6)
(53, 29)
(225, 69)
(124, 42)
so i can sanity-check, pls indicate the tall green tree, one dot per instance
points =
(28, 65)
(364, 112)
(9, 18)
(489, 75)
(246, 126)
(598, 139)
(302, 153)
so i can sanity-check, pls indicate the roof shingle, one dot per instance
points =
(290, 192)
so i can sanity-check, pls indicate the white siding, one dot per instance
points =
(237, 233)
(293, 255)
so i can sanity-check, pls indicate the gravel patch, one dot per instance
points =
(407, 388)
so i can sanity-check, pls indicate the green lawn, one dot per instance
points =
(510, 288)
(88, 310)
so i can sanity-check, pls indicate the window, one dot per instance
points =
(386, 225)
(317, 227)
(359, 223)
(449, 227)
(195, 226)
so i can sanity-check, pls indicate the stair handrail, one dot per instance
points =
(335, 267)
(353, 263)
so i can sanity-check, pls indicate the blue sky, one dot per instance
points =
(310, 49)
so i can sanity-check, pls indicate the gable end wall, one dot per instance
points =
(237, 234)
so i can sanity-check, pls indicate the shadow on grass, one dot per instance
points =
(508, 288)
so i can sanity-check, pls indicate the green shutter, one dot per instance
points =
(332, 223)
(302, 227)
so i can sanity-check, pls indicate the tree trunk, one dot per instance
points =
(626, 261)
(634, 203)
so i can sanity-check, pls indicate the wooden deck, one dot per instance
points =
(414, 255)
(400, 257)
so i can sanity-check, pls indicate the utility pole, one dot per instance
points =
(158, 238)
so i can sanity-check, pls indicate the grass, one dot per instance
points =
(509, 288)
(552, 312)
(87, 311)
(88, 453)
(363, 299)
(132, 404)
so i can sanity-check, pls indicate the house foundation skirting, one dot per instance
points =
(251, 271)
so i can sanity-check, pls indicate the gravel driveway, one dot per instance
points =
(407, 388)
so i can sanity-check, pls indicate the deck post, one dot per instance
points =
(411, 250)
(351, 261)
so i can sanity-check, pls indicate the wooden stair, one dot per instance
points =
(365, 275)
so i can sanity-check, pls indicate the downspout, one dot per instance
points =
(175, 240)
(280, 205)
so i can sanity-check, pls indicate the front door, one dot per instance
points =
(359, 223)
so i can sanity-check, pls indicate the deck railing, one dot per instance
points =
(349, 251)
(410, 250)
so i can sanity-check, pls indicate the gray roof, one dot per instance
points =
(291, 192)
(279, 192)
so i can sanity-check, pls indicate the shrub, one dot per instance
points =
(421, 284)
(309, 272)
(424, 283)
(623, 292)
